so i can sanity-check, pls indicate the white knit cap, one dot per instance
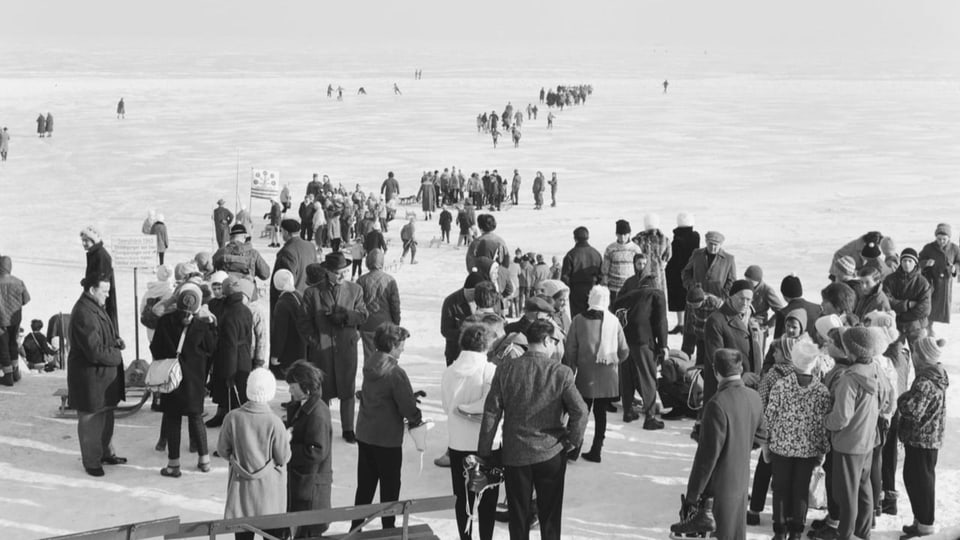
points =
(685, 220)
(826, 323)
(283, 280)
(599, 298)
(804, 355)
(651, 221)
(261, 386)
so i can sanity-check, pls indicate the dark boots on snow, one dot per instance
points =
(696, 519)
(889, 503)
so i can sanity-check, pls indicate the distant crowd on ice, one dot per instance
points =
(512, 121)
(530, 349)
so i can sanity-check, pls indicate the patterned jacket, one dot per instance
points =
(795, 418)
(923, 409)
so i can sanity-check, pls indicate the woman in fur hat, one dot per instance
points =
(939, 263)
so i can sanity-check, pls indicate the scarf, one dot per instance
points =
(609, 339)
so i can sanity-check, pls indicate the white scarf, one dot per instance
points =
(607, 351)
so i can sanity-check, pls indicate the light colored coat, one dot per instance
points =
(257, 446)
(594, 380)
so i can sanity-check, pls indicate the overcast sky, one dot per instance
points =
(924, 25)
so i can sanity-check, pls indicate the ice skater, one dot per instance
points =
(329, 90)
(396, 90)
(515, 132)
(48, 125)
(665, 85)
(550, 118)
(121, 110)
(41, 125)
(4, 143)
(361, 92)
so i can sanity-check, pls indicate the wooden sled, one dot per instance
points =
(136, 397)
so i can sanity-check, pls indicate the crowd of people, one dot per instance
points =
(530, 350)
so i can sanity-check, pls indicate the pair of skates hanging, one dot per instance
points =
(696, 519)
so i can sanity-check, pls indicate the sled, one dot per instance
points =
(136, 397)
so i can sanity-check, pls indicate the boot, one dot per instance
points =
(917, 529)
(7, 379)
(217, 419)
(594, 454)
(889, 503)
(697, 521)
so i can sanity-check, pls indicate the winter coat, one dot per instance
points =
(765, 299)
(386, 399)
(595, 379)
(382, 298)
(715, 278)
(35, 347)
(581, 271)
(310, 470)
(531, 394)
(541, 273)
(390, 189)
(854, 248)
(332, 314)
(874, 300)
(488, 245)
(240, 260)
(657, 247)
(41, 124)
(773, 375)
(940, 276)
(374, 240)
(862, 393)
(99, 262)
(94, 366)
(618, 265)
(465, 382)
(159, 229)
(286, 343)
(446, 218)
(923, 409)
(813, 313)
(13, 295)
(795, 417)
(685, 242)
(646, 315)
(199, 344)
(901, 288)
(725, 329)
(295, 255)
(454, 310)
(255, 443)
(259, 344)
(233, 354)
(49, 123)
(732, 424)
(427, 196)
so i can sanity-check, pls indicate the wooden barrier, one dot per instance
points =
(368, 513)
(145, 529)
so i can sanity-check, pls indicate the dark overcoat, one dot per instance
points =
(286, 343)
(99, 262)
(310, 470)
(95, 366)
(685, 242)
(234, 341)
(199, 344)
(581, 270)
(715, 278)
(294, 256)
(940, 276)
(725, 329)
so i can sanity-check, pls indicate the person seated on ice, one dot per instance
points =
(36, 349)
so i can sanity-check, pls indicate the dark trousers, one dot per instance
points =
(599, 406)
(9, 351)
(170, 429)
(377, 465)
(410, 246)
(95, 432)
(487, 507)
(357, 269)
(888, 469)
(445, 234)
(833, 509)
(451, 351)
(791, 484)
(876, 483)
(853, 494)
(640, 372)
(547, 478)
(761, 484)
(920, 480)
(277, 533)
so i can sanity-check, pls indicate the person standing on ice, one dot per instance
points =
(665, 85)
(717, 489)
(13, 296)
(538, 191)
(553, 189)
(239, 259)
(48, 125)
(550, 117)
(222, 218)
(939, 262)
(121, 109)
(100, 262)
(396, 90)
(4, 144)
(41, 125)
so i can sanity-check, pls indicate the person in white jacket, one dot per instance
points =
(464, 388)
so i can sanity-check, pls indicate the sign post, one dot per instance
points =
(138, 251)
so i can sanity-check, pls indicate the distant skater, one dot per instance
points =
(4, 143)
(339, 93)
(396, 90)
(329, 90)
(515, 132)
(550, 118)
(665, 85)
(361, 92)
(121, 110)
(49, 125)
(41, 125)
(553, 189)
(496, 136)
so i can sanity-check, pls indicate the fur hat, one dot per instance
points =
(261, 386)
(695, 295)
(754, 273)
(189, 298)
(283, 280)
(740, 285)
(685, 220)
(92, 233)
(164, 273)
(861, 342)
(539, 304)
(943, 228)
(909, 253)
(599, 298)
(651, 221)
(715, 237)
(623, 226)
(791, 287)
(804, 355)
(375, 259)
(928, 350)
(183, 270)
(884, 321)
(218, 277)
(292, 226)
(848, 266)
(315, 272)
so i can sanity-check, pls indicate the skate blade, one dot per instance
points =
(687, 536)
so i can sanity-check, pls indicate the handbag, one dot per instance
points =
(817, 497)
(164, 375)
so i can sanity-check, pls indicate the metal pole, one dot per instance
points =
(60, 340)
(136, 322)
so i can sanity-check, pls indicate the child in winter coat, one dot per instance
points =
(797, 438)
(922, 417)
(36, 348)
(356, 256)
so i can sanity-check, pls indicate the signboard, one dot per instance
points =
(134, 251)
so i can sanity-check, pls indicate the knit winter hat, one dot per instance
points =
(791, 287)
(92, 233)
(261, 386)
(909, 253)
(740, 285)
(189, 298)
(599, 298)
(164, 273)
(553, 288)
(623, 226)
(799, 315)
(848, 266)
(539, 304)
(183, 270)
(715, 237)
(685, 220)
(283, 280)
(754, 273)
(928, 350)
(375, 259)
(871, 250)
(204, 262)
(943, 228)
(884, 321)
(804, 355)
(651, 221)
(861, 342)
(292, 226)
(826, 323)
(218, 277)
(695, 295)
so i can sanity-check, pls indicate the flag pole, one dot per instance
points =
(237, 190)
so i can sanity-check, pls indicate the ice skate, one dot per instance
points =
(696, 520)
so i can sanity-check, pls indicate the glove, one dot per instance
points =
(120, 344)
(419, 394)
